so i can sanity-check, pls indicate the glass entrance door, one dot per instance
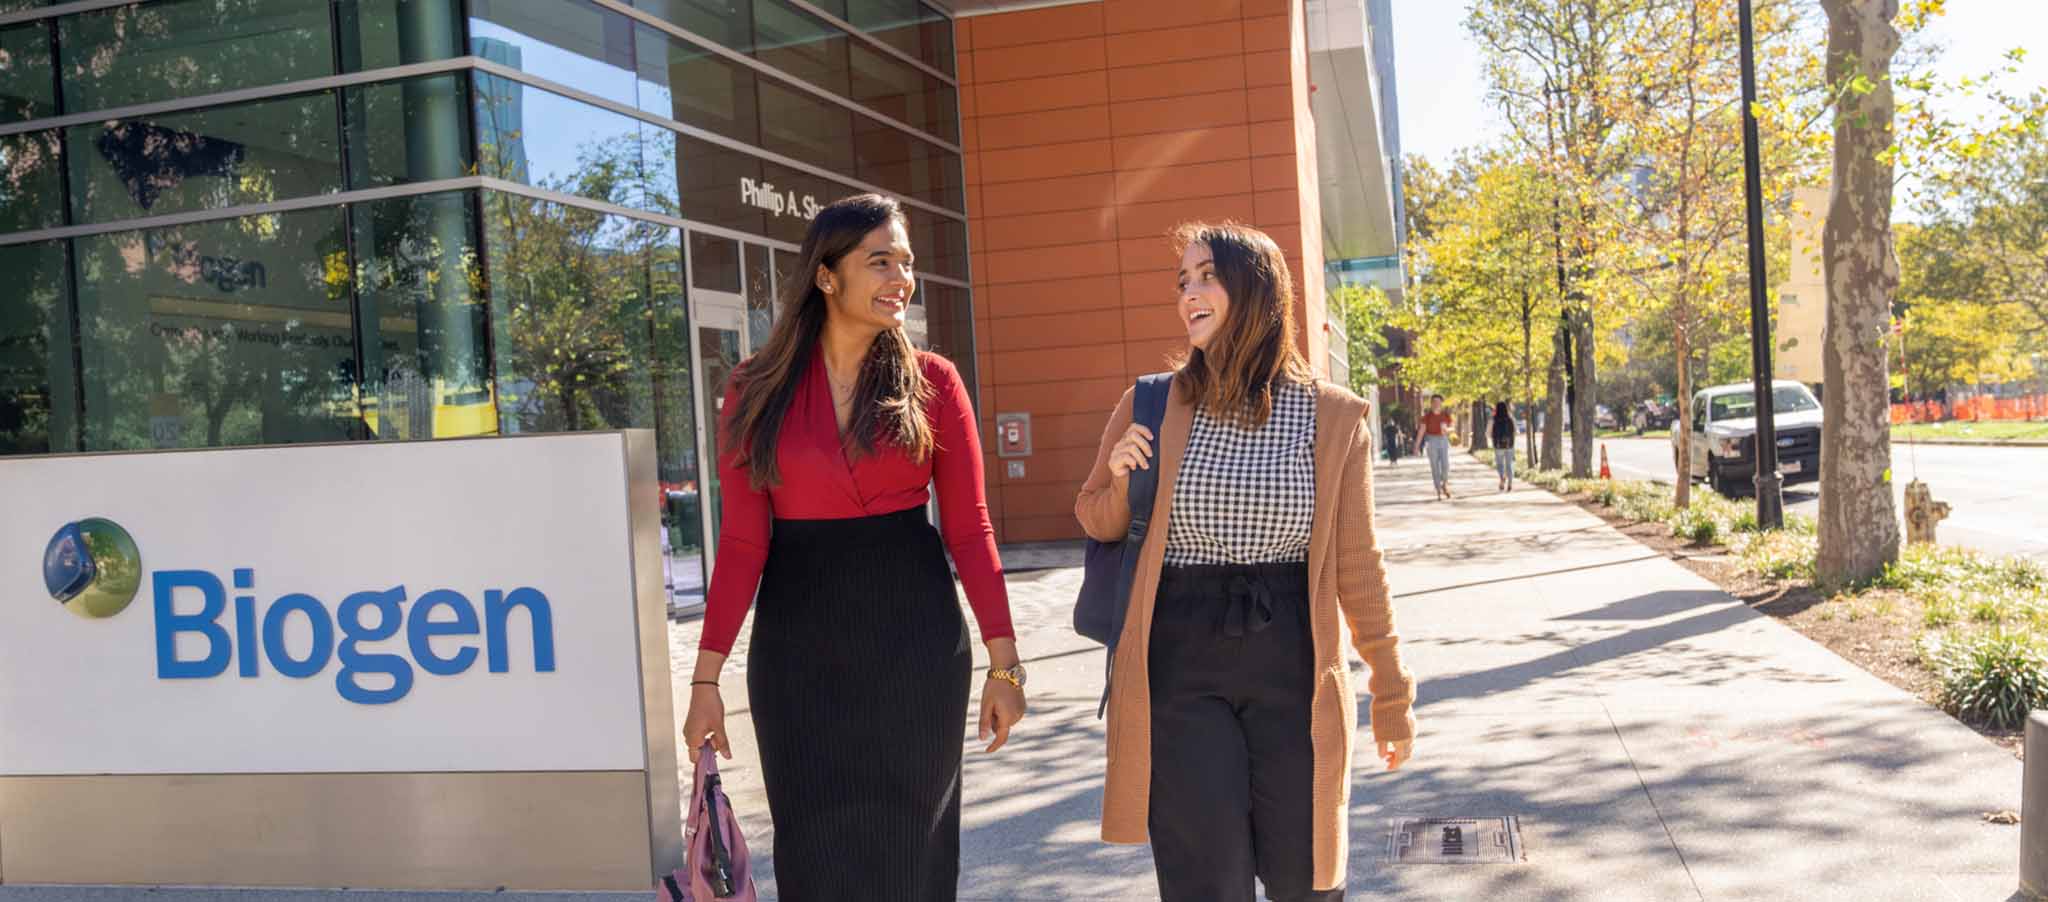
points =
(718, 347)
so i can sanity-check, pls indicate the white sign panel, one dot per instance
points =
(431, 606)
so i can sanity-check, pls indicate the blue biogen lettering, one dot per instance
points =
(256, 640)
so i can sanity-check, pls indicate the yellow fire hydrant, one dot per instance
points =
(1922, 513)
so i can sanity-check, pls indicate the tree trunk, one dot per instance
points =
(1859, 528)
(1553, 415)
(1681, 428)
(1481, 435)
(1528, 437)
(1584, 397)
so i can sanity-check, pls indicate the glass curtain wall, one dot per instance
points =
(303, 262)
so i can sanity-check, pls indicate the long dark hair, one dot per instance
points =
(1501, 412)
(889, 398)
(1256, 347)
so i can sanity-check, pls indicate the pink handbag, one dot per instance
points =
(715, 861)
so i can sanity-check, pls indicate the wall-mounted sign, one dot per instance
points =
(767, 197)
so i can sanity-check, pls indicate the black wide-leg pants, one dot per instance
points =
(857, 674)
(1233, 677)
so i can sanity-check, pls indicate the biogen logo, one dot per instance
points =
(377, 615)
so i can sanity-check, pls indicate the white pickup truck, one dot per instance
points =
(1724, 435)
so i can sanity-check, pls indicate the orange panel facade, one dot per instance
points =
(1091, 129)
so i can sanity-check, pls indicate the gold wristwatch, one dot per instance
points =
(1011, 675)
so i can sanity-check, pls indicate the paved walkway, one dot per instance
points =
(1657, 739)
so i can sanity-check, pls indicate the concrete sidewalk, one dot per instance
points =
(1657, 739)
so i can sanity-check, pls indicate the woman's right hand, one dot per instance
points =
(1132, 452)
(706, 721)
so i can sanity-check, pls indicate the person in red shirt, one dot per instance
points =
(1434, 439)
(859, 669)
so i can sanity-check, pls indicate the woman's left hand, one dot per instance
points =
(1396, 753)
(1002, 705)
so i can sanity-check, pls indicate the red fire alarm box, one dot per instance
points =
(1013, 435)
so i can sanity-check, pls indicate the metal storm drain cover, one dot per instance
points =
(1456, 840)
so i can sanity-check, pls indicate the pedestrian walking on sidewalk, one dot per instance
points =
(858, 672)
(1391, 432)
(1504, 445)
(1231, 711)
(1434, 439)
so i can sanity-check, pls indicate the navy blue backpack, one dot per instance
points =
(1112, 566)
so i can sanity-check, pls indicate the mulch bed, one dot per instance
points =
(1875, 629)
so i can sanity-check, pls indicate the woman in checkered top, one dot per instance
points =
(1231, 707)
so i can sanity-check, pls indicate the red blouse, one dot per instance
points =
(819, 484)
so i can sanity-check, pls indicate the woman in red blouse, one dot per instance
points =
(858, 670)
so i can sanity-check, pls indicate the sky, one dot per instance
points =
(1442, 88)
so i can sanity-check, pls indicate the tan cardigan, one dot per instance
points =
(1345, 575)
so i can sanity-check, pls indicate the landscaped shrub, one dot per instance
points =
(1992, 678)
(1778, 554)
(1696, 525)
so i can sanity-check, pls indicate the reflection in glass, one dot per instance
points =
(422, 319)
(182, 48)
(949, 326)
(38, 400)
(205, 159)
(222, 333)
(570, 42)
(377, 34)
(729, 23)
(801, 44)
(714, 263)
(571, 306)
(31, 185)
(718, 354)
(888, 86)
(760, 297)
(583, 150)
(695, 86)
(26, 89)
(920, 31)
(941, 244)
(909, 166)
(408, 131)
(797, 124)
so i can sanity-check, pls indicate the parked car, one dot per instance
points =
(1650, 415)
(1724, 435)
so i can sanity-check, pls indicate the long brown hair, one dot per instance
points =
(889, 398)
(1255, 349)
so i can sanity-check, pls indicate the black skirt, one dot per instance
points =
(858, 678)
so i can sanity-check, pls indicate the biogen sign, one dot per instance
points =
(480, 609)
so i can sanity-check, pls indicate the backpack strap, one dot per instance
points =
(1148, 408)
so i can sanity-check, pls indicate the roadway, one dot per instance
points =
(1995, 493)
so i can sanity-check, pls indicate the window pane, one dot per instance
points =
(408, 131)
(182, 48)
(573, 296)
(15, 6)
(223, 333)
(377, 34)
(894, 159)
(949, 322)
(714, 262)
(571, 42)
(38, 400)
(907, 25)
(893, 88)
(27, 91)
(797, 124)
(31, 185)
(689, 84)
(760, 297)
(581, 150)
(940, 244)
(801, 44)
(242, 154)
(727, 22)
(422, 318)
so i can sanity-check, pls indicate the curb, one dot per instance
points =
(1968, 443)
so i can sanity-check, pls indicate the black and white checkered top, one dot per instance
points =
(1247, 496)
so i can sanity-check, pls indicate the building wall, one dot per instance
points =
(1090, 130)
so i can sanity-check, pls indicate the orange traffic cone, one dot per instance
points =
(1605, 473)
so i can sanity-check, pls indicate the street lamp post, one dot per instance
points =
(1770, 500)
